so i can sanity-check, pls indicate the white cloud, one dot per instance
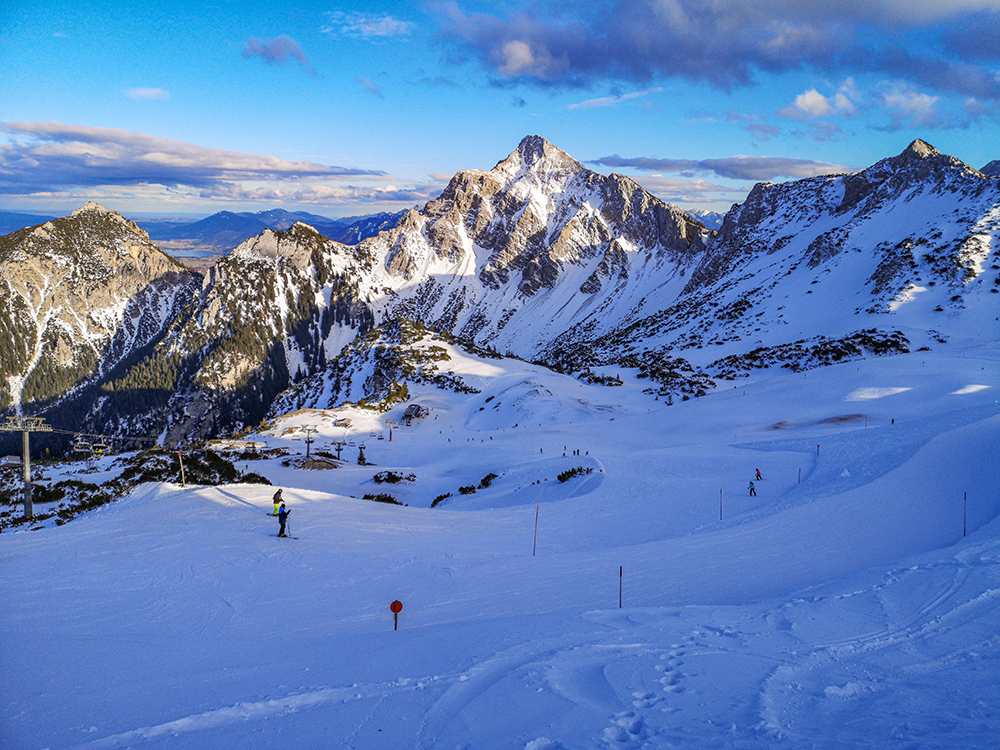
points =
(53, 163)
(520, 58)
(365, 26)
(610, 101)
(906, 104)
(812, 104)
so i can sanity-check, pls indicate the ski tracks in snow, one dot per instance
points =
(939, 626)
(257, 711)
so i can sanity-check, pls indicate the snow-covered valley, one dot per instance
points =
(840, 607)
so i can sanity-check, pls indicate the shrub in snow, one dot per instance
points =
(381, 497)
(570, 473)
(487, 481)
(467, 490)
(391, 477)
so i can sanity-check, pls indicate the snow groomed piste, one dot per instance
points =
(844, 609)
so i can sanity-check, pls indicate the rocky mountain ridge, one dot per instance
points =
(539, 258)
(80, 296)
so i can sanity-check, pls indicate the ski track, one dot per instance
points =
(255, 711)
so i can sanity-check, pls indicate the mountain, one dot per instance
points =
(221, 231)
(801, 272)
(711, 219)
(542, 259)
(513, 257)
(225, 230)
(992, 169)
(352, 230)
(82, 297)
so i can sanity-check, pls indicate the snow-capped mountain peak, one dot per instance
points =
(547, 260)
(537, 157)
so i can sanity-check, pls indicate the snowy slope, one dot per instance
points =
(842, 610)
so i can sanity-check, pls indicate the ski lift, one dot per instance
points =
(82, 446)
(350, 444)
(372, 434)
(100, 447)
(381, 436)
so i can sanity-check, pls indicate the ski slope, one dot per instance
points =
(842, 607)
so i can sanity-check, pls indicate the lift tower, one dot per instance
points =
(26, 425)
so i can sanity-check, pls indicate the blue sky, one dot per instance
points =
(344, 109)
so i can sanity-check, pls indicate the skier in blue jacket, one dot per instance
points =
(283, 514)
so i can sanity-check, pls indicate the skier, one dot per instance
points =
(752, 490)
(283, 514)
(759, 477)
(277, 502)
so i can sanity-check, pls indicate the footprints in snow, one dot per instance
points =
(671, 680)
(631, 728)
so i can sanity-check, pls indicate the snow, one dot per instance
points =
(842, 607)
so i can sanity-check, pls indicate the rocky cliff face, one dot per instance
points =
(538, 257)
(80, 295)
(489, 257)
(825, 217)
(909, 240)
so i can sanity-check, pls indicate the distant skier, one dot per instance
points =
(753, 491)
(277, 502)
(759, 477)
(283, 514)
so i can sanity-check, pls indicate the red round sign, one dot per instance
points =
(396, 607)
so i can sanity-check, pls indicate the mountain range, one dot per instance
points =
(225, 230)
(538, 258)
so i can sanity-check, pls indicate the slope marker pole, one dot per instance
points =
(965, 511)
(620, 569)
(535, 545)
(720, 505)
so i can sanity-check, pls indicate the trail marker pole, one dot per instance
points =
(534, 546)
(620, 569)
(965, 510)
(800, 476)
(720, 505)
(396, 607)
(181, 460)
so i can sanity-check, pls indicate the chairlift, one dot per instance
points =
(362, 446)
(381, 436)
(101, 447)
(372, 433)
(350, 444)
(82, 446)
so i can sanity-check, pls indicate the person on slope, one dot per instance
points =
(759, 477)
(283, 514)
(277, 502)
(753, 491)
